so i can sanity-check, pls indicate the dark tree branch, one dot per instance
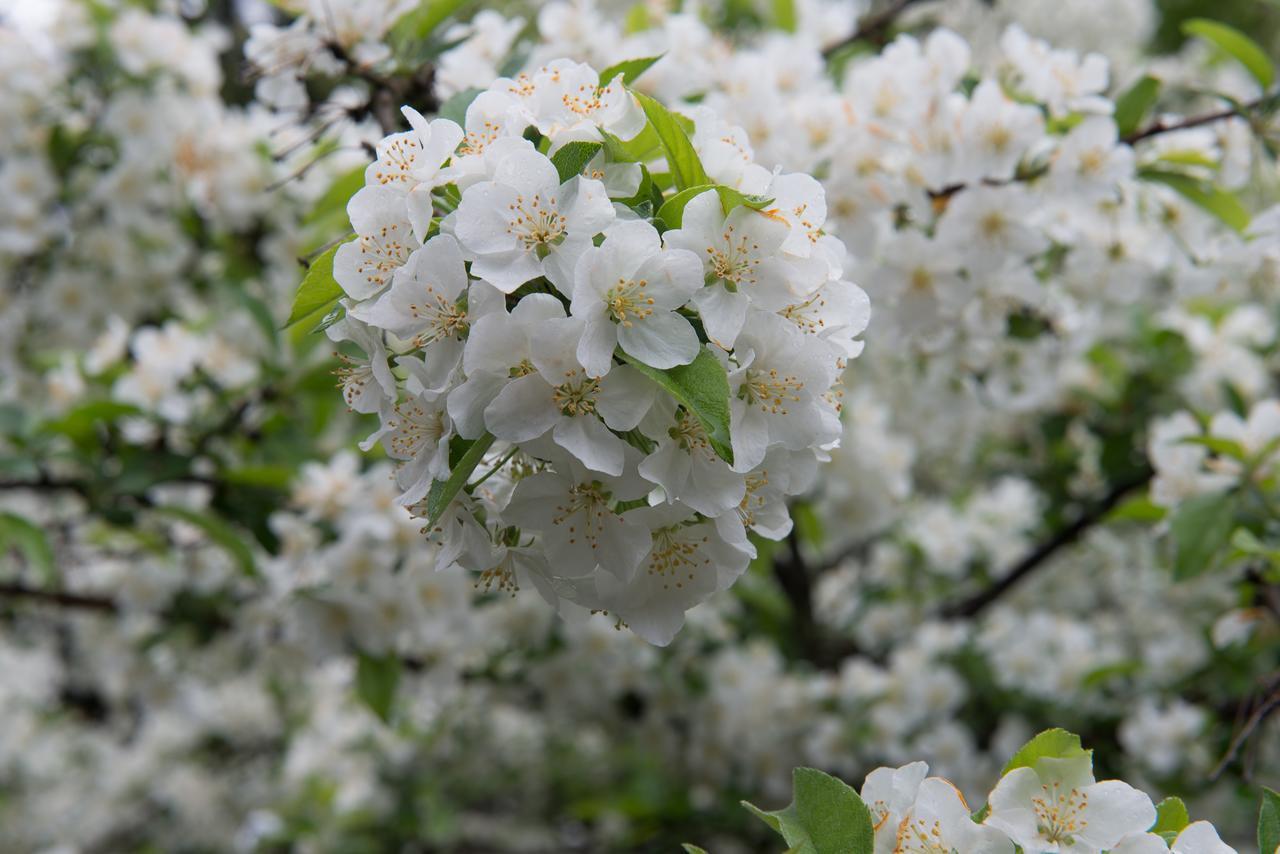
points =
(873, 25)
(1160, 126)
(1040, 555)
(1256, 719)
(59, 598)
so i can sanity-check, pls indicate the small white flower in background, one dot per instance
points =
(1058, 806)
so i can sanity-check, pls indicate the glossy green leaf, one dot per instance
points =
(376, 680)
(682, 159)
(702, 387)
(1225, 205)
(672, 211)
(1051, 744)
(1236, 45)
(1201, 528)
(1171, 816)
(443, 492)
(1269, 822)
(825, 816)
(731, 198)
(572, 157)
(430, 14)
(1135, 103)
(630, 69)
(643, 147)
(17, 533)
(319, 290)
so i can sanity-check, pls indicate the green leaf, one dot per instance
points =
(702, 387)
(455, 108)
(1221, 447)
(690, 848)
(641, 148)
(376, 681)
(1236, 45)
(837, 820)
(442, 492)
(318, 292)
(1132, 106)
(1269, 822)
(1051, 744)
(731, 198)
(16, 532)
(636, 20)
(218, 531)
(672, 211)
(336, 197)
(825, 816)
(1201, 527)
(78, 424)
(1138, 509)
(422, 21)
(784, 15)
(1225, 205)
(572, 157)
(1171, 816)
(630, 69)
(682, 160)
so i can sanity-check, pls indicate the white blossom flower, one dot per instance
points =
(524, 224)
(1058, 806)
(627, 291)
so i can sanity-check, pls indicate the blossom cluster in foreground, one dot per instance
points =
(1047, 800)
(630, 380)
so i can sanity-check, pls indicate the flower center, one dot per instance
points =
(733, 262)
(445, 318)
(916, 836)
(627, 300)
(576, 395)
(689, 434)
(587, 504)
(1058, 813)
(752, 502)
(674, 558)
(415, 429)
(772, 390)
(536, 223)
(381, 254)
(397, 161)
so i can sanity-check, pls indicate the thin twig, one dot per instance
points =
(1160, 126)
(1040, 555)
(1260, 714)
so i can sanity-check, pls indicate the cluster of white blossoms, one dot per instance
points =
(629, 380)
(1053, 803)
